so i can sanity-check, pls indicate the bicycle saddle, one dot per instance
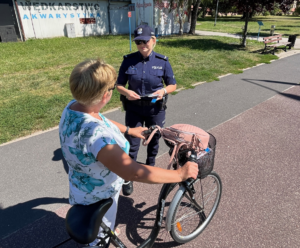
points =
(83, 221)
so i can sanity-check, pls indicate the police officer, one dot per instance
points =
(145, 99)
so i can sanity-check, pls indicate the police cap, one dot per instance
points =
(143, 32)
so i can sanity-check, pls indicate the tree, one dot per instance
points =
(178, 5)
(297, 9)
(224, 7)
(249, 6)
(194, 15)
(204, 5)
(194, 12)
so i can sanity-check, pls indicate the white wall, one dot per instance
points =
(43, 19)
(119, 18)
(144, 11)
(167, 21)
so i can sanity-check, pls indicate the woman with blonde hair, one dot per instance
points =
(95, 148)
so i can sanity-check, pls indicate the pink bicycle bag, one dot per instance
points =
(188, 135)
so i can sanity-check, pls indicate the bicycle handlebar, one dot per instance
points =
(146, 132)
(193, 156)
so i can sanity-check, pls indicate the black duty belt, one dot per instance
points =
(144, 102)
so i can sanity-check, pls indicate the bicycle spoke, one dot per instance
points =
(187, 216)
(192, 202)
(190, 217)
(210, 195)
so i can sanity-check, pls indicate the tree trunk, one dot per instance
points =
(194, 17)
(249, 15)
(204, 12)
(180, 20)
(245, 30)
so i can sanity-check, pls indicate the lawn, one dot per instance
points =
(34, 74)
(285, 25)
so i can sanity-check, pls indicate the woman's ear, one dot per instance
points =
(106, 96)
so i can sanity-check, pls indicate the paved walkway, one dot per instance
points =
(209, 33)
(255, 118)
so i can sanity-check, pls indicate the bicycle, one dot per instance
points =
(192, 208)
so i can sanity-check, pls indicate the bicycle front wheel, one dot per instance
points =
(189, 218)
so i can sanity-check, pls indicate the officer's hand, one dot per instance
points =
(137, 132)
(131, 95)
(189, 170)
(160, 94)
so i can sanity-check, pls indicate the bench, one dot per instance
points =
(269, 43)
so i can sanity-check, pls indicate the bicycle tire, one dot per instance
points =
(185, 220)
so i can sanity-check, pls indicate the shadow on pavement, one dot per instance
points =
(27, 225)
(57, 156)
(295, 97)
(139, 222)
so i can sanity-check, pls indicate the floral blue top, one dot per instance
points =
(82, 137)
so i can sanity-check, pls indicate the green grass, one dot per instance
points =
(285, 25)
(34, 74)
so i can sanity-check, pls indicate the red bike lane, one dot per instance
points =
(257, 159)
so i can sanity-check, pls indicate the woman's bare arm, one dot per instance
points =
(136, 131)
(116, 160)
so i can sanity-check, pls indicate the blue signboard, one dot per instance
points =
(260, 23)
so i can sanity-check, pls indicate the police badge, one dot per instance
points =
(140, 31)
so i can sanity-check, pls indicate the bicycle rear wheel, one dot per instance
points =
(189, 219)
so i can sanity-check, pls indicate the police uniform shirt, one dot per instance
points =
(145, 75)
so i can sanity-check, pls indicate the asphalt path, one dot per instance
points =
(34, 182)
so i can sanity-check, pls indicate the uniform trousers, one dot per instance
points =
(138, 116)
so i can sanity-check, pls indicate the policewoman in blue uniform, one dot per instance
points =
(146, 73)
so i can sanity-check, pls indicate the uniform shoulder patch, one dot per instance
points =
(130, 55)
(161, 56)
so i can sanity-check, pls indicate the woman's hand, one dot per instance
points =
(189, 170)
(137, 132)
(160, 93)
(131, 95)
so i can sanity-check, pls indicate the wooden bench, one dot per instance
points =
(269, 43)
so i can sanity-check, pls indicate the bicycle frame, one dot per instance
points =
(148, 243)
(165, 190)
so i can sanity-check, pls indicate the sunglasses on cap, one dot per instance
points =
(139, 42)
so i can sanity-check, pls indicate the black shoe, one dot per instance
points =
(127, 188)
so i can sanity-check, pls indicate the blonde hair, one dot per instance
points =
(90, 79)
(153, 37)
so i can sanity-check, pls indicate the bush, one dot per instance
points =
(276, 10)
(297, 11)
(266, 13)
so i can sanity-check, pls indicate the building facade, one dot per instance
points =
(78, 18)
